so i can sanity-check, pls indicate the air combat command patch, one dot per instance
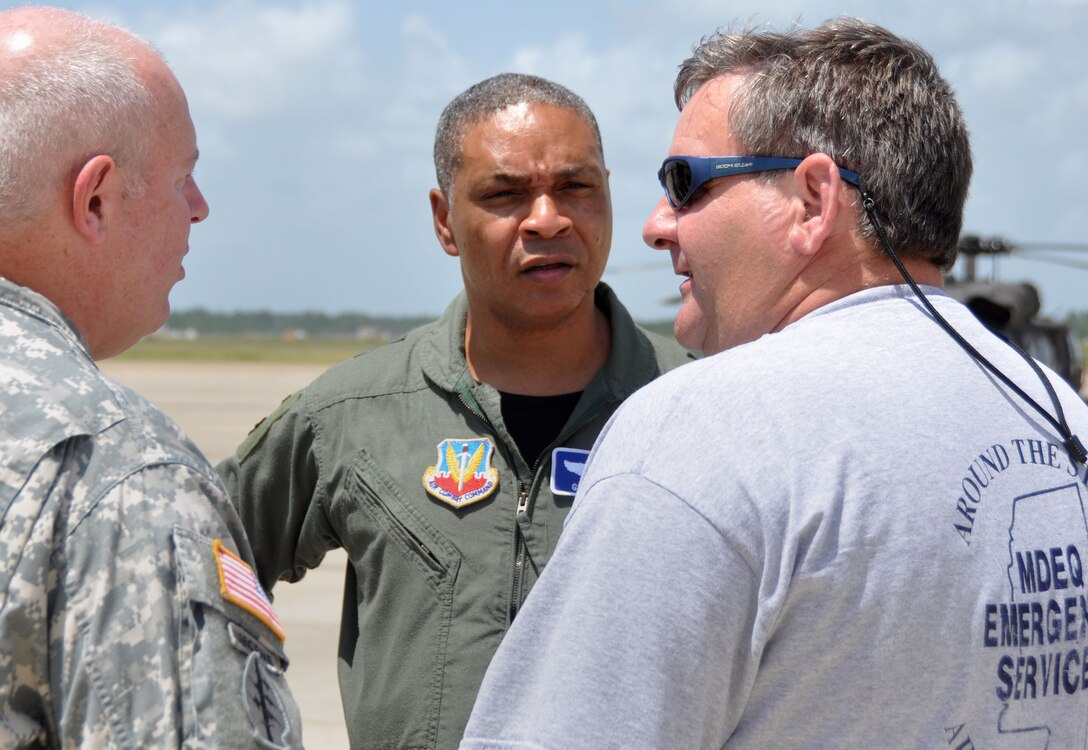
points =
(464, 474)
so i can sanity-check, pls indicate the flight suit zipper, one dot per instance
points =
(520, 549)
(521, 552)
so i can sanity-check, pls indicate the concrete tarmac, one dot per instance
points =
(217, 404)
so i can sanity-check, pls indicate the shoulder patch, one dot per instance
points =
(264, 705)
(238, 584)
(253, 439)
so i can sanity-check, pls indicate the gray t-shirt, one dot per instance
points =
(844, 534)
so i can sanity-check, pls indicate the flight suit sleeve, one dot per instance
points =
(275, 482)
(160, 635)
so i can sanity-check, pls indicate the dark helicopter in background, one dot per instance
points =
(1012, 309)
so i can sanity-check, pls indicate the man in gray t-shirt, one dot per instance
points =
(861, 520)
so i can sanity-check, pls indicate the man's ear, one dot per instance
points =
(96, 194)
(818, 186)
(440, 211)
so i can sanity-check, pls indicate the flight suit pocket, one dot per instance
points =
(234, 693)
(402, 577)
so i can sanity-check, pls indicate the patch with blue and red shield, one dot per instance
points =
(463, 474)
(567, 467)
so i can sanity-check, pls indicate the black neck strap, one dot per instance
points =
(1071, 442)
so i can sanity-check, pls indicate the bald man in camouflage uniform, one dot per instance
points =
(129, 613)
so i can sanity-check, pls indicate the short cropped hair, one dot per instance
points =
(873, 102)
(485, 99)
(60, 107)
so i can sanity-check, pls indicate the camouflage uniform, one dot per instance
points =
(120, 622)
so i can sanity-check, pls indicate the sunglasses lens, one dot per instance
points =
(676, 177)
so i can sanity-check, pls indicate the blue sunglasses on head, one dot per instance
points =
(681, 176)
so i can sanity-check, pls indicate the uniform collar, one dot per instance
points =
(631, 359)
(35, 305)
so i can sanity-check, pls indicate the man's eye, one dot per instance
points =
(498, 194)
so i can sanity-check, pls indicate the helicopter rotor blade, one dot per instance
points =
(1065, 247)
(972, 244)
(1057, 260)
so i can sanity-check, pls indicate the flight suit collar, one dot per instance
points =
(631, 362)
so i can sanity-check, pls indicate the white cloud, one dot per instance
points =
(430, 72)
(396, 111)
(244, 59)
(316, 120)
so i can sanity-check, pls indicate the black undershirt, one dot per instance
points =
(535, 421)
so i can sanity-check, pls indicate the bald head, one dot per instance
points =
(97, 195)
(70, 87)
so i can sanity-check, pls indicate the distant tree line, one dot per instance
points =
(268, 324)
(264, 323)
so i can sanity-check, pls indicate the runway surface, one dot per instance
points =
(217, 405)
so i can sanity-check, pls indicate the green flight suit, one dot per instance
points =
(431, 587)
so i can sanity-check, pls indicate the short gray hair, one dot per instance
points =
(485, 99)
(873, 102)
(63, 105)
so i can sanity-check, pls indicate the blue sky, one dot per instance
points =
(316, 121)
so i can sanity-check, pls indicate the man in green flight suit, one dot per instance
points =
(445, 463)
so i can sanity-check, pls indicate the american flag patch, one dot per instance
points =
(238, 584)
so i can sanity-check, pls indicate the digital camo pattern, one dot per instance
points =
(112, 629)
